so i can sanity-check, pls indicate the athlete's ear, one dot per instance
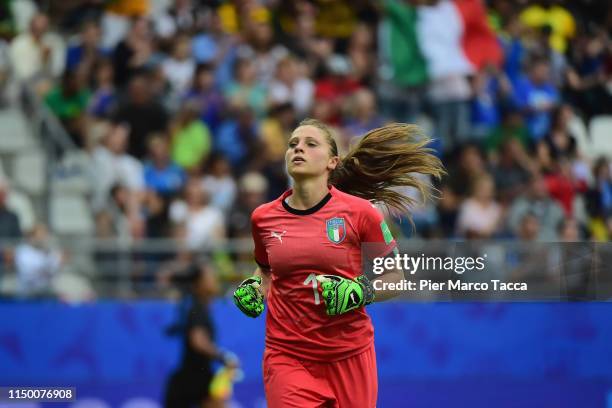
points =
(333, 163)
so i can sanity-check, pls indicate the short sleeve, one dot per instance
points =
(375, 234)
(261, 255)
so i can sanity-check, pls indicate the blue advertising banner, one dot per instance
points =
(429, 355)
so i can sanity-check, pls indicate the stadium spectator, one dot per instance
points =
(161, 174)
(104, 95)
(480, 216)
(219, 184)
(536, 201)
(204, 224)
(86, 52)
(291, 86)
(114, 167)
(204, 93)
(537, 96)
(179, 68)
(37, 264)
(599, 198)
(363, 115)
(134, 53)
(69, 100)
(142, 114)
(512, 170)
(9, 221)
(246, 91)
(190, 139)
(38, 54)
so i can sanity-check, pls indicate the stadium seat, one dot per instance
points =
(22, 205)
(29, 171)
(579, 130)
(15, 135)
(70, 215)
(600, 129)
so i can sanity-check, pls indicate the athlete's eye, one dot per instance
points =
(311, 144)
(292, 144)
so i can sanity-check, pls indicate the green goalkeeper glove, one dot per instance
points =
(342, 295)
(248, 297)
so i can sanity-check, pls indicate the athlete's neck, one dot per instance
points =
(307, 193)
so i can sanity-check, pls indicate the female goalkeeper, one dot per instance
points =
(308, 245)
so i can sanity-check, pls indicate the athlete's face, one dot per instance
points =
(309, 154)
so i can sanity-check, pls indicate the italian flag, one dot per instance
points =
(433, 41)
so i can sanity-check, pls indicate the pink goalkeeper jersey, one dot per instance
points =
(295, 246)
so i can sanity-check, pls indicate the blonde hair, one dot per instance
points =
(383, 160)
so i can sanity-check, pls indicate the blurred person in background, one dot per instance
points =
(537, 201)
(599, 199)
(38, 54)
(84, 54)
(261, 47)
(528, 228)
(252, 192)
(69, 101)
(103, 100)
(204, 93)
(142, 113)
(219, 183)
(362, 56)
(511, 171)
(363, 115)
(179, 68)
(161, 174)
(290, 85)
(480, 216)
(246, 91)
(238, 139)
(204, 224)
(189, 385)
(335, 87)
(190, 139)
(10, 228)
(37, 264)
(537, 96)
(114, 167)
(134, 53)
(275, 130)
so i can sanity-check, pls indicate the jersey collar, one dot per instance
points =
(307, 211)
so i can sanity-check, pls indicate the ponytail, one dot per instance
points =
(382, 161)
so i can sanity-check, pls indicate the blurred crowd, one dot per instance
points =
(185, 106)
